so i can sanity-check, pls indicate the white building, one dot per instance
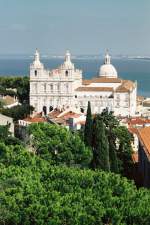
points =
(64, 87)
(5, 120)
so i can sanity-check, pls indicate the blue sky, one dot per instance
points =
(83, 26)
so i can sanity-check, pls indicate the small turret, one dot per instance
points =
(107, 58)
(36, 63)
(37, 56)
(67, 63)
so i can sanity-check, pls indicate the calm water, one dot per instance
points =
(128, 69)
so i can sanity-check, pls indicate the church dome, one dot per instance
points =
(108, 70)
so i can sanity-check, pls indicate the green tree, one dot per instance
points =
(88, 127)
(124, 151)
(114, 167)
(18, 112)
(4, 132)
(58, 145)
(21, 84)
(100, 146)
(120, 150)
(34, 192)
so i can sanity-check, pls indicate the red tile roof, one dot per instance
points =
(138, 121)
(35, 120)
(106, 80)
(101, 80)
(126, 86)
(94, 89)
(133, 130)
(144, 136)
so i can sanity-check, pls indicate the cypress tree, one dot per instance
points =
(100, 146)
(113, 157)
(88, 127)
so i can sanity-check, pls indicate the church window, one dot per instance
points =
(35, 72)
(35, 88)
(82, 110)
(45, 110)
(67, 88)
(58, 87)
(51, 87)
(44, 87)
(50, 108)
(66, 73)
(75, 96)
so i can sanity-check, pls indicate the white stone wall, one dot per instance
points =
(98, 100)
(57, 88)
(5, 120)
(53, 88)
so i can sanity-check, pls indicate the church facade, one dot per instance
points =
(65, 88)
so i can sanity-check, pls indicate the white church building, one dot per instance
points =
(65, 87)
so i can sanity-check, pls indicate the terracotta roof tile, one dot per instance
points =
(35, 120)
(126, 86)
(144, 136)
(86, 82)
(94, 89)
(138, 121)
(106, 80)
(133, 130)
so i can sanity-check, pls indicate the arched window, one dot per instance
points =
(51, 87)
(45, 110)
(66, 73)
(35, 72)
(35, 88)
(82, 110)
(50, 108)
(67, 87)
(58, 87)
(44, 87)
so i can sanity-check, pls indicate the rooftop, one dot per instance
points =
(102, 80)
(126, 86)
(144, 136)
(94, 89)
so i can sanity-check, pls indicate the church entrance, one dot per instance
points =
(45, 110)
(82, 110)
(51, 108)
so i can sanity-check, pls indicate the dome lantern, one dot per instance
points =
(107, 69)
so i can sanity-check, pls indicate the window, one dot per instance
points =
(67, 88)
(66, 73)
(50, 108)
(35, 72)
(75, 96)
(51, 87)
(45, 110)
(44, 87)
(58, 87)
(82, 110)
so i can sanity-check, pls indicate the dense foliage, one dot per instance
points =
(35, 188)
(109, 134)
(34, 192)
(17, 112)
(21, 84)
(100, 146)
(58, 145)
